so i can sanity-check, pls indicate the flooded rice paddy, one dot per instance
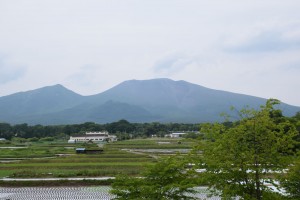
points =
(56, 193)
(69, 193)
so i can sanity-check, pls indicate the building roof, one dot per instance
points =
(90, 135)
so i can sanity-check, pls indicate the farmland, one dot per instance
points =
(59, 159)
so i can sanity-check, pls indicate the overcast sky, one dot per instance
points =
(250, 47)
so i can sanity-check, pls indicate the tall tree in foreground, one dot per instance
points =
(240, 160)
(165, 180)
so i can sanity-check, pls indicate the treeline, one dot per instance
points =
(122, 128)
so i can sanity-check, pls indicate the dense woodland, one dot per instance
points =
(122, 128)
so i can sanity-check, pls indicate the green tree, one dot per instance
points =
(291, 183)
(121, 126)
(167, 179)
(240, 159)
(192, 135)
(6, 131)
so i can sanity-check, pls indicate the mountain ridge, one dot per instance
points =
(161, 100)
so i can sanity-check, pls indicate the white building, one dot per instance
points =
(175, 135)
(92, 136)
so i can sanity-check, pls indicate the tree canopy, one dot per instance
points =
(291, 182)
(167, 179)
(239, 160)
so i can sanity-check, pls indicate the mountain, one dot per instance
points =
(161, 100)
(48, 99)
(181, 101)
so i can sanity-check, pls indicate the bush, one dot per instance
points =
(47, 139)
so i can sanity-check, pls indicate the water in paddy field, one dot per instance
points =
(55, 193)
(68, 193)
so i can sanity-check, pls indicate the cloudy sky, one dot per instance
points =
(250, 47)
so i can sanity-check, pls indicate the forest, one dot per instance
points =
(122, 128)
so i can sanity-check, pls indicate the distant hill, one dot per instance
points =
(161, 100)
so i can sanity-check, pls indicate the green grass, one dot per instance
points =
(34, 152)
(153, 144)
(5, 173)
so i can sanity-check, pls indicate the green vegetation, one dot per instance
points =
(291, 182)
(164, 180)
(161, 143)
(58, 159)
(240, 160)
(123, 129)
(109, 163)
(237, 159)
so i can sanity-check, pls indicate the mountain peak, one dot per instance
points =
(53, 87)
(159, 82)
(58, 86)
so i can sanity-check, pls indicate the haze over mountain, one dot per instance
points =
(161, 100)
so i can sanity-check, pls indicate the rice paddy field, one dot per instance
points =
(51, 160)
(59, 159)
